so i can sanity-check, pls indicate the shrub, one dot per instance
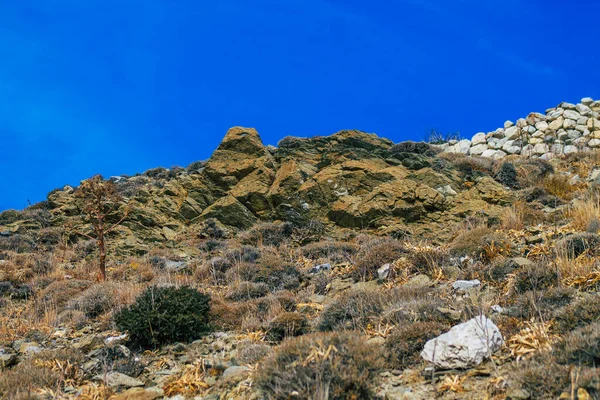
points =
(247, 290)
(352, 310)
(288, 324)
(320, 366)
(252, 353)
(585, 214)
(243, 254)
(59, 293)
(39, 372)
(374, 254)
(534, 303)
(542, 377)
(166, 314)
(580, 312)
(267, 234)
(507, 175)
(536, 277)
(333, 252)
(17, 243)
(580, 347)
(559, 186)
(575, 245)
(212, 229)
(95, 300)
(413, 147)
(405, 342)
(480, 243)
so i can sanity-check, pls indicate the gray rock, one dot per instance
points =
(384, 271)
(571, 114)
(569, 123)
(5, 233)
(587, 101)
(319, 268)
(7, 360)
(117, 379)
(479, 138)
(466, 285)
(478, 149)
(508, 124)
(570, 149)
(29, 348)
(584, 110)
(465, 345)
(568, 106)
(174, 266)
(234, 371)
(511, 133)
(541, 126)
(557, 123)
(446, 190)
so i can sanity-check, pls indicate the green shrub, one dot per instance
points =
(95, 300)
(247, 290)
(288, 324)
(320, 366)
(267, 234)
(542, 377)
(582, 311)
(580, 347)
(165, 315)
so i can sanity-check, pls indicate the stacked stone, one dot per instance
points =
(565, 129)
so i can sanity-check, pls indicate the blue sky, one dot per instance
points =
(117, 87)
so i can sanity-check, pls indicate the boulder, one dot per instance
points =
(478, 139)
(463, 286)
(465, 345)
(118, 380)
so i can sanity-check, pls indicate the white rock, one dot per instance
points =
(498, 133)
(593, 124)
(562, 134)
(117, 379)
(584, 110)
(464, 146)
(536, 140)
(465, 345)
(594, 175)
(567, 106)
(488, 153)
(541, 148)
(508, 124)
(581, 128)
(511, 133)
(587, 101)
(499, 154)
(557, 123)
(582, 121)
(531, 129)
(569, 124)
(478, 139)
(594, 143)
(570, 149)
(466, 285)
(555, 113)
(478, 149)
(571, 114)
(573, 134)
(447, 190)
(557, 148)
(384, 271)
(542, 126)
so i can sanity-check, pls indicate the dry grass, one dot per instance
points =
(585, 214)
(189, 383)
(532, 338)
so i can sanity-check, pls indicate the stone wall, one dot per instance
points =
(564, 129)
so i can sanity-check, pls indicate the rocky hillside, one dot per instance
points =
(339, 267)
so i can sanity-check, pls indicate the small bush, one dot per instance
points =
(286, 325)
(542, 377)
(344, 367)
(333, 252)
(165, 315)
(267, 234)
(507, 175)
(247, 290)
(252, 353)
(212, 229)
(536, 277)
(404, 344)
(59, 293)
(39, 373)
(559, 186)
(374, 254)
(413, 147)
(243, 254)
(95, 300)
(534, 303)
(580, 347)
(352, 310)
(580, 312)
(480, 243)
(575, 245)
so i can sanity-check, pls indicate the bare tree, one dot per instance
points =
(99, 206)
